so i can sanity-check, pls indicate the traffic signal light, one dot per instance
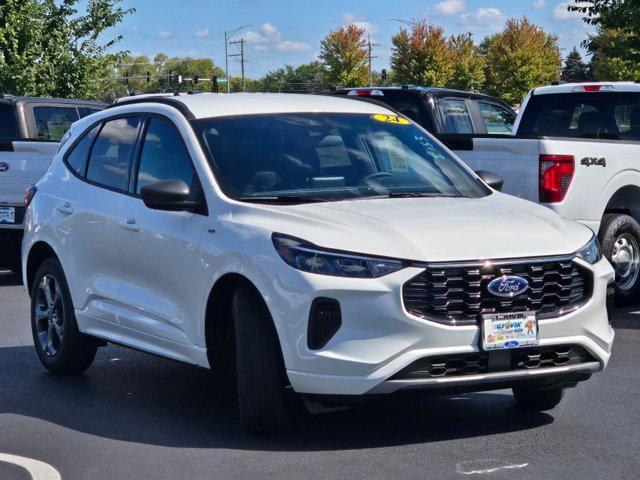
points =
(214, 82)
(148, 75)
(383, 74)
(196, 79)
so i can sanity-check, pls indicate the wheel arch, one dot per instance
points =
(38, 252)
(219, 334)
(625, 200)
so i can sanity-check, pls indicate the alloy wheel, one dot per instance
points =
(49, 313)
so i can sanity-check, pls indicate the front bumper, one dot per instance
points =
(378, 338)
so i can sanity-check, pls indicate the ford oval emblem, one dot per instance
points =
(4, 166)
(508, 286)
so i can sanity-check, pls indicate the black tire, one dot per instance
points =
(536, 399)
(74, 352)
(613, 228)
(260, 371)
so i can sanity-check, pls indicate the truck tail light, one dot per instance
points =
(556, 172)
(29, 193)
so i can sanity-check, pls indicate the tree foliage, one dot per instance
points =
(575, 70)
(50, 48)
(605, 63)
(344, 53)
(521, 57)
(305, 78)
(468, 64)
(422, 56)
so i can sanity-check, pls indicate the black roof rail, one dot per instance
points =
(172, 102)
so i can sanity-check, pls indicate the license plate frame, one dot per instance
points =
(7, 215)
(506, 331)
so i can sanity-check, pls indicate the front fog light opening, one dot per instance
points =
(611, 294)
(325, 319)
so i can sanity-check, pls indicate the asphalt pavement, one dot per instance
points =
(135, 416)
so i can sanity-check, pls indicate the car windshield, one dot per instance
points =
(323, 157)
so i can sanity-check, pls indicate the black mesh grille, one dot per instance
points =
(458, 294)
(325, 320)
(471, 364)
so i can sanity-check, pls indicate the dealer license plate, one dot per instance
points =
(7, 215)
(509, 330)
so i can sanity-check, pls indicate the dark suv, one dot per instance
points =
(442, 111)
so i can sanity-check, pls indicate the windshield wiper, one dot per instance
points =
(415, 194)
(282, 199)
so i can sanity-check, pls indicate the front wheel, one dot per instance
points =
(260, 371)
(620, 240)
(60, 346)
(537, 399)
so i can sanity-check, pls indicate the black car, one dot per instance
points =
(442, 111)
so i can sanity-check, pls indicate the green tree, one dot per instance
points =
(305, 78)
(343, 51)
(605, 63)
(620, 16)
(575, 70)
(521, 57)
(422, 56)
(50, 48)
(468, 64)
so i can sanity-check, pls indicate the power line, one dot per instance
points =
(241, 55)
(227, 37)
(370, 57)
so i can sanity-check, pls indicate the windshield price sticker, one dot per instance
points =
(390, 119)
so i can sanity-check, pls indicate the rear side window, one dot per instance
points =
(606, 115)
(408, 104)
(497, 119)
(53, 122)
(8, 123)
(455, 116)
(163, 156)
(109, 160)
(77, 158)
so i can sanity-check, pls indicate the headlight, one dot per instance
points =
(309, 258)
(590, 253)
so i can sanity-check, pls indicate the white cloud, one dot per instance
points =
(164, 34)
(203, 33)
(260, 48)
(450, 8)
(352, 19)
(288, 46)
(268, 33)
(484, 17)
(192, 53)
(538, 4)
(561, 13)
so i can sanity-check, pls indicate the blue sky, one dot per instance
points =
(289, 31)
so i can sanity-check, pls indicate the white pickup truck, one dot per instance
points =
(30, 129)
(575, 148)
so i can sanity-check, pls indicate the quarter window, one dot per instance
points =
(163, 156)
(497, 119)
(78, 156)
(455, 116)
(53, 122)
(8, 125)
(109, 160)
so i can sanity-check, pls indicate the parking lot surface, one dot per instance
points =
(134, 416)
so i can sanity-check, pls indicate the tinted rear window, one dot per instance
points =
(606, 115)
(53, 122)
(8, 124)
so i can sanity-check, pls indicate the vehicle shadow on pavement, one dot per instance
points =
(9, 279)
(131, 396)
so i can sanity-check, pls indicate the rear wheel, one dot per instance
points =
(60, 346)
(537, 399)
(260, 372)
(620, 239)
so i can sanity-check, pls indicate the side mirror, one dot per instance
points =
(169, 195)
(491, 179)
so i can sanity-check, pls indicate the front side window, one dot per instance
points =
(455, 116)
(53, 122)
(109, 160)
(497, 119)
(163, 156)
(322, 157)
(78, 156)
(606, 115)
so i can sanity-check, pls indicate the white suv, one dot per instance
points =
(312, 244)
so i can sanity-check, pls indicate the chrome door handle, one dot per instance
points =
(130, 224)
(65, 207)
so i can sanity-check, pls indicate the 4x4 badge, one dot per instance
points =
(588, 161)
(4, 166)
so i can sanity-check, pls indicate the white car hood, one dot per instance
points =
(427, 229)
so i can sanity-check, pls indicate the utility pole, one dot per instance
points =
(227, 37)
(241, 55)
(370, 57)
